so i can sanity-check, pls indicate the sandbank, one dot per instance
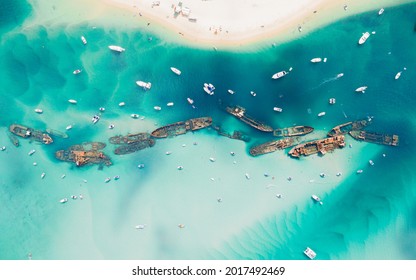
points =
(235, 22)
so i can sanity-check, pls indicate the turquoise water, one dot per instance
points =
(359, 212)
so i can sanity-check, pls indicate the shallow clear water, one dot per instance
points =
(359, 212)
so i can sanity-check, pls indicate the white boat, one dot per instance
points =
(144, 85)
(39, 111)
(253, 93)
(180, 167)
(134, 116)
(157, 108)
(279, 75)
(72, 101)
(316, 60)
(3, 148)
(371, 162)
(69, 127)
(63, 200)
(31, 152)
(77, 71)
(95, 119)
(361, 89)
(325, 59)
(359, 171)
(140, 226)
(340, 75)
(209, 88)
(332, 101)
(176, 70)
(170, 104)
(277, 109)
(380, 11)
(42, 175)
(321, 114)
(398, 75)
(190, 101)
(108, 179)
(231, 91)
(309, 253)
(317, 199)
(116, 48)
(364, 38)
(247, 176)
(84, 41)
(121, 104)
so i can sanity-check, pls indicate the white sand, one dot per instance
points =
(237, 22)
(218, 23)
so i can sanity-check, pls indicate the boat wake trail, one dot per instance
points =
(338, 76)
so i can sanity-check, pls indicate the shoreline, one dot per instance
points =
(213, 28)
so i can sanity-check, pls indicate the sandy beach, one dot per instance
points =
(234, 22)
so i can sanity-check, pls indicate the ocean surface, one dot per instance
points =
(224, 214)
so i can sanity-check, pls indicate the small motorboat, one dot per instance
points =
(63, 200)
(316, 60)
(176, 70)
(247, 176)
(95, 119)
(108, 179)
(157, 108)
(31, 152)
(231, 91)
(84, 41)
(321, 114)
(42, 175)
(121, 104)
(72, 101)
(316, 199)
(77, 71)
(361, 89)
(398, 75)
(38, 110)
(277, 109)
(332, 101)
(134, 116)
(170, 104)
